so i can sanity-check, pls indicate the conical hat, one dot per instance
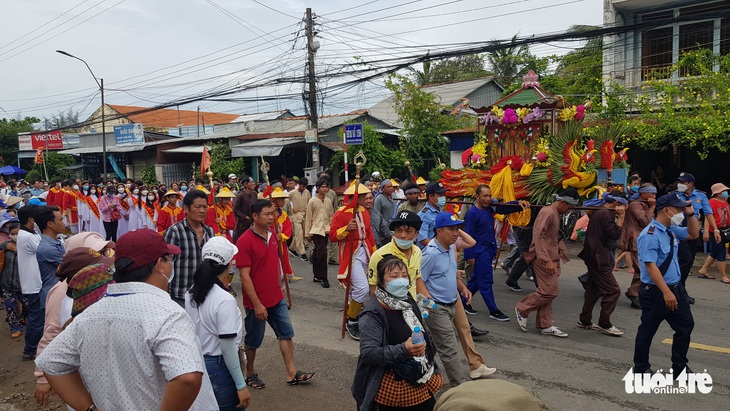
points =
(225, 193)
(279, 193)
(421, 181)
(361, 189)
(171, 192)
(203, 189)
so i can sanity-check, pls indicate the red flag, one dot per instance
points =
(205, 161)
(39, 156)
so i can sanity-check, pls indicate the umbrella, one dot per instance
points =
(11, 170)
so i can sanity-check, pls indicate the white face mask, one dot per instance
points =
(120, 190)
(135, 191)
(144, 192)
(92, 191)
(678, 218)
(14, 237)
(151, 197)
(682, 187)
(76, 187)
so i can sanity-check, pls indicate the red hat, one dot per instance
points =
(144, 247)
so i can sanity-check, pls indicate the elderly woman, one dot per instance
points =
(392, 372)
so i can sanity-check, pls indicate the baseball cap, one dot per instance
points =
(446, 219)
(143, 247)
(686, 177)
(405, 217)
(79, 258)
(219, 250)
(230, 176)
(670, 200)
(88, 239)
(7, 218)
(435, 188)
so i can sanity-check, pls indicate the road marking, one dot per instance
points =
(703, 347)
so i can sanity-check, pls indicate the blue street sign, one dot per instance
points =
(129, 134)
(354, 134)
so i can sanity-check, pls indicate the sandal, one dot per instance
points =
(725, 281)
(705, 276)
(300, 377)
(254, 382)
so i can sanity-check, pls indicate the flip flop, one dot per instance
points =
(706, 277)
(254, 382)
(725, 282)
(300, 377)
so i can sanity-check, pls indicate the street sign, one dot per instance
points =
(129, 134)
(310, 136)
(34, 141)
(354, 134)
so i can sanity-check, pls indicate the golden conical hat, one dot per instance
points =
(225, 193)
(279, 193)
(421, 181)
(361, 189)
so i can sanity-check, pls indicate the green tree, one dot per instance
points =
(424, 118)
(54, 163)
(388, 160)
(693, 112)
(221, 162)
(9, 129)
(62, 120)
(507, 63)
(579, 73)
(454, 69)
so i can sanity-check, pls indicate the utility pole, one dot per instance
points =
(312, 47)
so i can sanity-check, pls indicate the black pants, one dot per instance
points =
(319, 256)
(601, 284)
(686, 257)
(653, 312)
(523, 239)
(111, 230)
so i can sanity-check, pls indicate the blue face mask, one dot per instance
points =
(441, 201)
(635, 189)
(86, 187)
(724, 194)
(403, 244)
(397, 288)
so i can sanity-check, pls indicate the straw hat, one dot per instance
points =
(11, 200)
(225, 193)
(279, 193)
(361, 189)
(200, 187)
(171, 193)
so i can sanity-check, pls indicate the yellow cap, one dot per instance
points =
(361, 189)
(225, 193)
(279, 193)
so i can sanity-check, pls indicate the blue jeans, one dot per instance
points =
(223, 386)
(278, 320)
(36, 320)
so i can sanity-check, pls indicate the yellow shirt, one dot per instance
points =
(413, 263)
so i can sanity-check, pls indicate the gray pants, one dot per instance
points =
(440, 323)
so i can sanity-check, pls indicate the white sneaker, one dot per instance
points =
(554, 331)
(482, 371)
(612, 331)
(521, 321)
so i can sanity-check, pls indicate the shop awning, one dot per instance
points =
(269, 147)
(185, 150)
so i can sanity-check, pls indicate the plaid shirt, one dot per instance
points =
(181, 235)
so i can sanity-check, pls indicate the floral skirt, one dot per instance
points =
(16, 310)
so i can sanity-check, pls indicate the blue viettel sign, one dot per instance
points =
(129, 134)
(354, 134)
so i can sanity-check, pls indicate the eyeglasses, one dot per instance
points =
(170, 258)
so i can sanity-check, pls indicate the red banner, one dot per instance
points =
(55, 140)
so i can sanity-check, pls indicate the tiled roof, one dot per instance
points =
(171, 118)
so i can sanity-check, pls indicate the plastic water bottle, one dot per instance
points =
(418, 338)
(424, 304)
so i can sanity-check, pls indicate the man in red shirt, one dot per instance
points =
(260, 269)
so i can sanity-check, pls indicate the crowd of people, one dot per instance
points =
(141, 274)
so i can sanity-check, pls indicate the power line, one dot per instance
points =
(273, 9)
(43, 25)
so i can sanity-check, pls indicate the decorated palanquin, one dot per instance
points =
(531, 144)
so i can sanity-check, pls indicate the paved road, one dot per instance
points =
(586, 369)
(568, 374)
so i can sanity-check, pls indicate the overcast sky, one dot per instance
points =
(155, 51)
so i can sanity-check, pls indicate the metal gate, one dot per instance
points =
(176, 172)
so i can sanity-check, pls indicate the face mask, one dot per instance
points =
(398, 287)
(120, 190)
(92, 191)
(678, 218)
(184, 188)
(151, 197)
(135, 191)
(76, 187)
(635, 189)
(109, 193)
(682, 188)
(154, 191)
(403, 244)
(14, 237)
(441, 201)
(724, 194)
(127, 185)
(144, 192)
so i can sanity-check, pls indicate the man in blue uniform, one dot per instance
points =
(435, 202)
(662, 294)
(479, 223)
(687, 249)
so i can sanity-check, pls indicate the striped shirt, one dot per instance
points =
(183, 236)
